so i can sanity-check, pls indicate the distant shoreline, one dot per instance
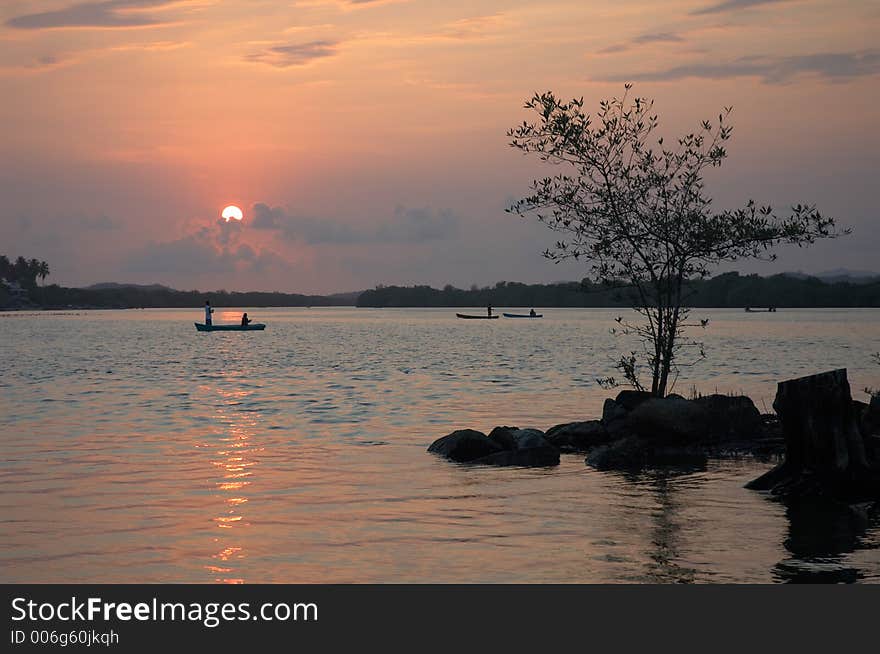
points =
(729, 290)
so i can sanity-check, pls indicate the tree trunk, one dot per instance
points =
(824, 449)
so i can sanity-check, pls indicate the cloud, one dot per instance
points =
(643, 39)
(298, 54)
(194, 256)
(40, 64)
(407, 225)
(419, 225)
(183, 256)
(473, 28)
(106, 14)
(344, 5)
(733, 5)
(658, 37)
(772, 70)
(99, 223)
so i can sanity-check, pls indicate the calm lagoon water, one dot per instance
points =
(138, 450)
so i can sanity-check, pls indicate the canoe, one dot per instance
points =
(469, 317)
(523, 315)
(253, 327)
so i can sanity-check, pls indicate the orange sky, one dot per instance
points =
(366, 140)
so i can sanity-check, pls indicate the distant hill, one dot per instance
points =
(134, 296)
(113, 285)
(838, 275)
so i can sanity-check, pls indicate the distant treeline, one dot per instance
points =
(125, 297)
(23, 271)
(727, 290)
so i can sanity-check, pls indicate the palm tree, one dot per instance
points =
(33, 270)
(43, 272)
(20, 269)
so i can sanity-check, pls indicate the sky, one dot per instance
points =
(365, 140)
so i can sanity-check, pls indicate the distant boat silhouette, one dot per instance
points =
(768, 310)
(523, 315)
(469, 317)
(254, 326)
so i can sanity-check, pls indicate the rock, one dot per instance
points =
(669, 421)
(731, 416)
(628, 452)
(464, 445)
(612, 412)
(634, 452)
(503, 436)
(532, 457)
(578, 436)
(506, 446)
(532, 450)
(529, 438)
(629, 400)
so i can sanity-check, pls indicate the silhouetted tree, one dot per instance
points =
(636, 209)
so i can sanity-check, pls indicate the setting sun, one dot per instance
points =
(232, 212)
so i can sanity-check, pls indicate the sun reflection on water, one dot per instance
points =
(234, 461)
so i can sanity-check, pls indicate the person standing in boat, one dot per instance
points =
(245, 321)
(489, 310)
(208, 311)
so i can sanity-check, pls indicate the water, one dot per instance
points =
(138, 450)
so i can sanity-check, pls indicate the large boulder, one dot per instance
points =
(504, 437)
(613, 412)
(578, 436)
(731, 416)
(505, 446)
(532, 450)
(634, 452)
(629, 399)
(464, 445)
(669, 421)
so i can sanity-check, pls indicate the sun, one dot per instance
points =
(232, 213)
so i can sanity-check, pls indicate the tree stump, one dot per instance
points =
(824, 449)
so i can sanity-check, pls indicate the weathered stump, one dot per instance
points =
(824, 449)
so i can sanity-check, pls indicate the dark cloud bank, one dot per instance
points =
(407, 225)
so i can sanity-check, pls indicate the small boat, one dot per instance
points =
(469, 317)
(254, 326)
(523, 315)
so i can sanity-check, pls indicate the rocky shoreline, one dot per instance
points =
(637, 430)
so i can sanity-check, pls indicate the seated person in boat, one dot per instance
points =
(532, 313)
(245, 321)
